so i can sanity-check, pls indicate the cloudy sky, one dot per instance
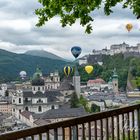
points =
(18, 32)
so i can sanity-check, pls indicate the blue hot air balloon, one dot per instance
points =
(76, 51)
(67, 70)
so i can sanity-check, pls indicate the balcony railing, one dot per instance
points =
(117, 124)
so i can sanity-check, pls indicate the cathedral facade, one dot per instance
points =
(40, 97)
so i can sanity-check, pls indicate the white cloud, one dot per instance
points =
(18, 31)
(19, 25)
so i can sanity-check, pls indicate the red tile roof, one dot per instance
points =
(96, 81)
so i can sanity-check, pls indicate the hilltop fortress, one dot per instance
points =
(118, 48)
(96, 55)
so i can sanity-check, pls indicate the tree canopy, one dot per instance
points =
(71, 10)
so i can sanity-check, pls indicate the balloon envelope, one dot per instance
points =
(89, 69)
(23, 74)
(129, 27)
(76, 51)
(67, 70)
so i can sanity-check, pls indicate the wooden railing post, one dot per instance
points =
(133, 125)
(71, 131)
(74, 135)
(138, 114)
(55, 134)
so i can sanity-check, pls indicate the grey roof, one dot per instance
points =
(65, 105)
(101, 96)
(3, 116)
(10, 86)
(63, 113)
(42, 122)
(27, 94)
(54, 114)
(66, 84)
(38, 82)
(26, 114)
(50, 95)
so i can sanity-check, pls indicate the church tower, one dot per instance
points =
(76, 82)
(38, 83)
(115, 82)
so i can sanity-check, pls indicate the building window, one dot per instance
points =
(42, 88)
(13, 109)
(13, 101)
(19, 100)
(26, 108)
(38, 88)
(40, 101)
(39, 109)
(20, 111)
(26, 99)
(52, 106)
(34, 88)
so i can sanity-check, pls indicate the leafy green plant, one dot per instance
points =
(71, 10)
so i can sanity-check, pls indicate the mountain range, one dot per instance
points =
(42, 53)
(11, 64)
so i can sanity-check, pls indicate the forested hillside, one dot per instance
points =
(117, 61)
(128, 69)
(11, 64)
(134, 73)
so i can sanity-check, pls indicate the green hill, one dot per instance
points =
(42, 53)
(128, 69)
(105, 71)
(11, 64)
(134, 74)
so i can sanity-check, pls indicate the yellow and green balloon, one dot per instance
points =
(67, 70)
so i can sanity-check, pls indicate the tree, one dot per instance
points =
(74, 101)
(95, 108)
(71, 10)
(83, 101)
(138, 82)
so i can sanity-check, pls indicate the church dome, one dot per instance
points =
(115, 75)
(37, 78)
(38, 72)
(38, 81)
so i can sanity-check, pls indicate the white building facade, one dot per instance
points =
(37, 99)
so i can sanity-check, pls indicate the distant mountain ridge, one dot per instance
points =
(11, 64)
(42, 53)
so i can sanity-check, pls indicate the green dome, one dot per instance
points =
(37, 80)
(115, 75)
(110, 80)
(38, 72)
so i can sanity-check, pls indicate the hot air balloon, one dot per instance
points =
(129, 27)
(88, 69)
(67, 70)
(23, 74)
(76, 51)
